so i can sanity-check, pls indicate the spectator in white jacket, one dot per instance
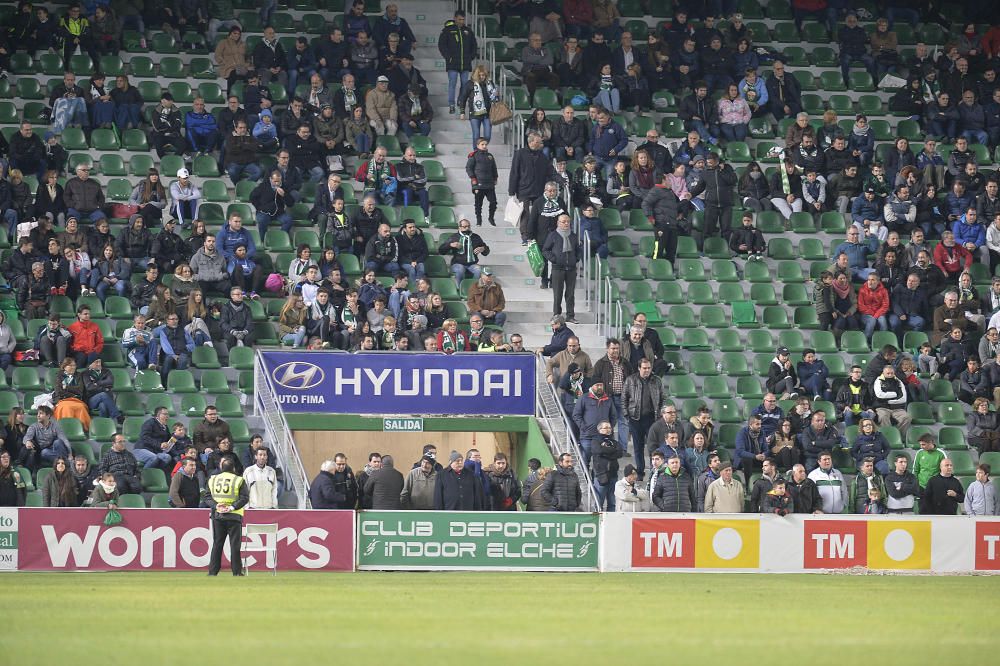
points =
(262, 482)
(185, 198)
(630, 495)
(981, 496)
(830, 483)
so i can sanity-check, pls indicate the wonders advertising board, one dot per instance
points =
(472, 540)
(403, 383)
(175, 540)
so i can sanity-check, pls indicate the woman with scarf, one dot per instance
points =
(59, 489)
(754, 190)
(150, 199)
(450, 339)
(105, 493)
(435, 312)
(477, 96)
(379, 177)
(845, 306)
(49, 201)
(183, 283)
(643, 176)
(320, 320)
(68, 394)
(861, 143)
(13, 441)
(588, 183)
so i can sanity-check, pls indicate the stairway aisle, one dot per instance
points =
(529, 308)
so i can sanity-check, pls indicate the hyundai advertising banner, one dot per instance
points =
(403, 383)
(506, 541)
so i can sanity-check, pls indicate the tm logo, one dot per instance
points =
(298, 375)
(584, 549)
(371, 547)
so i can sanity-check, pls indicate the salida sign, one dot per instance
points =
(175, 539)
(471, 540)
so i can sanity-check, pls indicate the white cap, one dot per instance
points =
(183, 173)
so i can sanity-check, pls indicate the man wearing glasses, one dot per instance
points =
(667, 423)
(857, 252)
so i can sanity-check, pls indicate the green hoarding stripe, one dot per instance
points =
(469, 540)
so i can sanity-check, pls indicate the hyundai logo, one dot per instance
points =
(298, 375)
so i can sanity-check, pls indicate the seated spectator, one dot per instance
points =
(84, 197)
(486, 297)
(305, 154)
(34, 292)
(202, 128)
(734, 115)
(700, 114)
(237, 321)
(784, 92)
(412, 182)
(973, 382)
(465, 248)
(265, 132)
(185, 197)
(166, 130)
(819, 439)
(972, 119)
(747, 240)
(270, 200)
(240, 151)
(786, 189)
(781, 378)
(415, 111)
(873, 305)
(210, 267)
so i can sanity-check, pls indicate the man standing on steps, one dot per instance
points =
(457, 45)
(530, 169)
(562, 251)
(545, 213)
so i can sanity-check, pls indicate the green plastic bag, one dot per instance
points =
(535, 259)
(112, 518)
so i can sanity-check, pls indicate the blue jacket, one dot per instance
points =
(907, 301)
(770, 421)
(593, 227)
(968, 233)
(558, 342)
(958, 205)
(151, 435)
(200, 123)
(865, 143)
(246, 265)
(759, 86)
(227, 240)
(857, 253)
(875, 446)
(807, 371)
(590, 411)
(745, 447)
(605, 139)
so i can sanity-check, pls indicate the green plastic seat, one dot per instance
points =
(74, 139)
(26, 379)
(73, 429)
(730, 292)
(670, 293)
(682, 386)
(824, 342)
(786, 33)
(757, 271)
(29, 88)
(842, 104)
(716, 388)
(626, 269)
(154, 480)
(695, 339)
(391, 144)
(680, 316)
(738, 151)
(770, 222)
(717, 248)
(734, 364)
(775, 316)
(211, 92)
(131, 501)
(861, 81)
(51, 64)
(815, 33)
(793, 340)
(724, 270)
(714, 316)
(802, 223)
(214, 381)
(193, 404)
(790, 271)
(728, 339)
(760, 341)
(780, 248)
(700, 293)
(148, 381)
(691, 270)
(150, 91)
(440, 195)
(205, 166)
(703, 364)
(951, 414)
(749, 388)
(962, 463)
(854, 342)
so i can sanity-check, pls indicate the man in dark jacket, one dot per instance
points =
(306, 154)
(457, 488)
(747, 240)
(590, 411)
(366, 222)
(504, 486)
(659, 153)
(854, 47)
(545, 212)
(607, 140)
(27, 152)
(901, 487)
(269, 199)
(465, 249)
(909, 307)
(382, 252)
(153, 447)
(674, 492)
(660, 206)
(784, 94)
(383, 487)
(481, 168)
(210, 430)
(569, 135)
(326, 493)
(700, 114)
(169, 249)
(605, 452)
(83, 477)
(412, 248)
(236, 321)
(717, 182)
(457, 45)
(530, 169)
(943, 492)
(819, 437)
(562, 251)
(804, 492)
(561, 333)
(561, 488)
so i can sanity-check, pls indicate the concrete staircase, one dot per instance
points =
(529, 308)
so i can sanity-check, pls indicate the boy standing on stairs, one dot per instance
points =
(482, 171)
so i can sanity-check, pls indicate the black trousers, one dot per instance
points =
(717, 218)
(222, 529)
(489, 194)
(563, 280)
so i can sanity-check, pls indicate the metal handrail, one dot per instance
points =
(587, 270)
(277, 431)
(549, 410)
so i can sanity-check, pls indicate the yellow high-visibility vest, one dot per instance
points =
(225, 489)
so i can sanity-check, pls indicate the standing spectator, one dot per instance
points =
(477, 96)
(980, 496)
(383, 487)
(642, 399)
(185, 488)
(831, 485)
(561, 487)
(231, 55)
(529, 172)
(88, 341)
(943, 493)
(561, 250)
(457, 45)
(482, 171)
(724, 495)
(674, 491)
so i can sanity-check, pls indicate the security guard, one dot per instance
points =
(227, 494)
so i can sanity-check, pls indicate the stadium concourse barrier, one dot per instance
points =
(36, 539)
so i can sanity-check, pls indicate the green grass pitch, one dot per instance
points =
(142, 619)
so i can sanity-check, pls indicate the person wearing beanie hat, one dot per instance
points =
(265, 131)
(166, 120)
(457, 488)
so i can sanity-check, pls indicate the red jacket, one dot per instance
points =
(87, 337)
(578, 12)
(991, 41)
(874, 302)
(959, 259)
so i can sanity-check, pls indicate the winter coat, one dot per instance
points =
(418, 490)
(674, 493)
(457, 46)
(383, 488)
(481, 167)
(460, 491)
(561, 490)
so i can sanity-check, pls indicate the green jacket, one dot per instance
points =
(926, 464)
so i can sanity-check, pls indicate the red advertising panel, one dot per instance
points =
(987, 546)
(175, 540)
(834, 544)
(663, 543)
